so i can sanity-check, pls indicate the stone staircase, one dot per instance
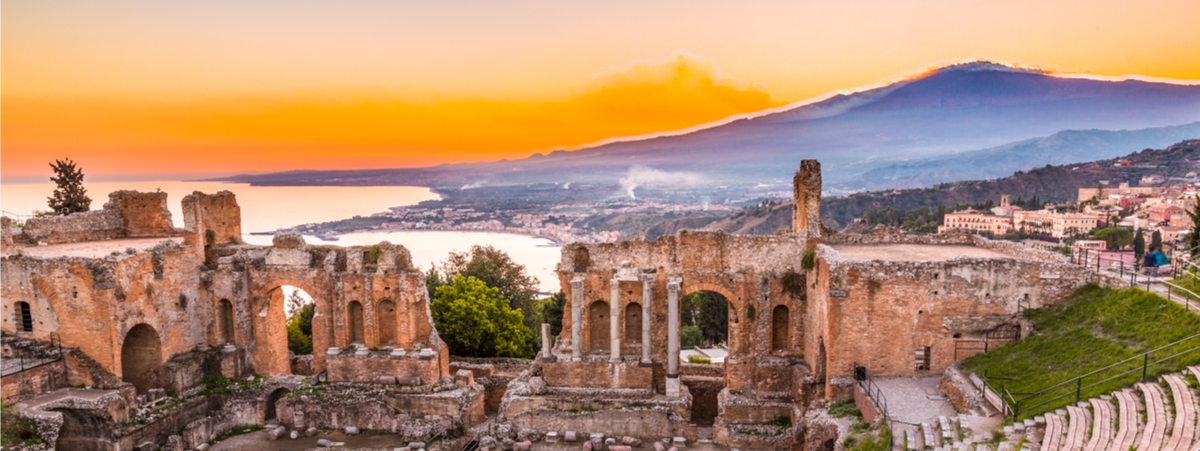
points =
(1147, 417)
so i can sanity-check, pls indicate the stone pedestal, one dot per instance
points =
(673, 386)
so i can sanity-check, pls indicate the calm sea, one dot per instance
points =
(267, 208)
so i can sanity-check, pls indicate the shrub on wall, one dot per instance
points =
(476, 321)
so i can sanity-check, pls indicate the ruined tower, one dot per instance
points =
(806, 206)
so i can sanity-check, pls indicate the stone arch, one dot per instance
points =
(598, 326)
(271, 355)
(23, 316)
(633, 323)
(722, 308)
(225, 321)
(385, 312)
(354, 322)
(270, 410)
(780, 332)
(141, 358)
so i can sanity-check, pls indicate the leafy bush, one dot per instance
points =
(699, 359)
(690, 336)
(476, 321)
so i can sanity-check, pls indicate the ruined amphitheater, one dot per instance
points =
(173, 338)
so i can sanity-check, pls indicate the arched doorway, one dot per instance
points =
(633, 323)
(598, 326)
(355, 321)
(300, 310)
(225, 321)
(780, 333)
(385, 312)
(141, 358)
(704, 319)
(270, 410)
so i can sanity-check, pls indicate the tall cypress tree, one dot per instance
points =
(70, 196)
(1139, 244)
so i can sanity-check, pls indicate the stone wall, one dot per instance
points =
(142, 214)
(127, 214)
(85, 226)
(218, 212)
(32, 382)
(597, 374)
(367, 366)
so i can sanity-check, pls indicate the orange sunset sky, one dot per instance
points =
(172, 87)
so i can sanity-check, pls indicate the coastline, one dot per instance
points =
(553, 242)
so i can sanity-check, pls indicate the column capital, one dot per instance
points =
(577, 283)
(674, 284)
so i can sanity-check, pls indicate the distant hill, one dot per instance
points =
(1070, 146)
(956, 109)
(1050, 183)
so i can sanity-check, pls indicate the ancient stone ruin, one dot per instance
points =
(179, 335)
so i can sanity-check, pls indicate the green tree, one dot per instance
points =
(476, 320)
(1156, 240)
(1193, 239)
(299, 330)
(496, 269)
(1139, 244)
(709, 312)
(552, 312)
(1114, 237)
(69, 195)
(690, 337)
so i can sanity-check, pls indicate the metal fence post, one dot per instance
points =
(1078, 388)
(1145, 364)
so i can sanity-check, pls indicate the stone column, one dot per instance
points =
(577, 319)
(647, 292)
(614, 312)
(546, 354)
(673, 285)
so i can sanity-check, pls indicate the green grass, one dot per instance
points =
(699, 359)
(16, 430)
(844, 409)
(1094, 328)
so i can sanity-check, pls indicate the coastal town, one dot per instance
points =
(1153, 208)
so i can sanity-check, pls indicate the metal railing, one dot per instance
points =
(22, 362)
(875, 394)
(1107, 379)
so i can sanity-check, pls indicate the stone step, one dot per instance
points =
(1055, 430)
(931, 435)
(1077, 426)
(949, 432)
(1128, 421)
(1102, 425)
(1184, 399)
(1158, 420)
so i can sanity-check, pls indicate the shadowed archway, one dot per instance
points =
(141, 358)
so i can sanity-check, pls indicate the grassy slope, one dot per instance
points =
(1094, 328)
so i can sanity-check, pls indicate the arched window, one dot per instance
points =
(24, 317)
(355, 313)
(633, 323)
(385, 313)
(225, 321)
(779, 329)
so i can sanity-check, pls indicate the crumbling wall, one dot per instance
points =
(218, 212)
(84, 226)
(142, 214)
(127, 214)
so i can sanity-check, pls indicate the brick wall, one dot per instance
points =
(32, 382)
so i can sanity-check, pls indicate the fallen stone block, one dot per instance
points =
(276, 433)
(659, 446)
(630, 441)
(294, 435)
(620, 448)
(386, 380)
(408, 380)
(588, 446)
(523, 446)
(416, 445)
(351, 430)
(610, 441)
(570, 437)
(325, 442)
(310, 432)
